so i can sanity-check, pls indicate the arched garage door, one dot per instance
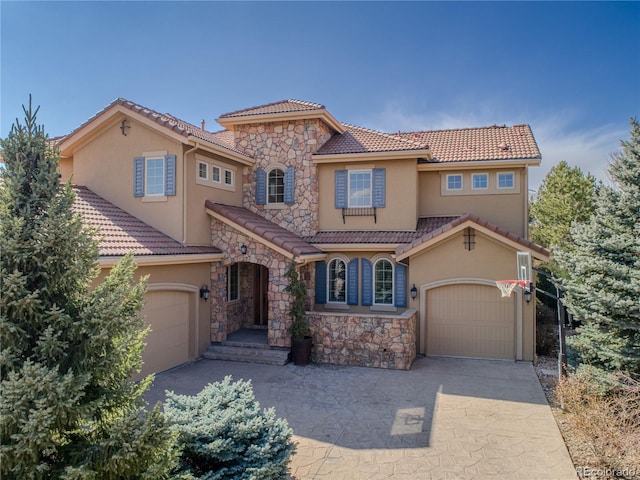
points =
(467, 320)
(167, 312)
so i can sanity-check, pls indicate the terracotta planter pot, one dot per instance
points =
(301, 351)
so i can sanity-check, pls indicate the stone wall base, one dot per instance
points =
(375, 340)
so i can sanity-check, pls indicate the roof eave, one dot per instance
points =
(220, 150)
(465, 164)
(369, 156)
(320, 113)
(108, 261)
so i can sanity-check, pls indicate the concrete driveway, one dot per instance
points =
(446, 418)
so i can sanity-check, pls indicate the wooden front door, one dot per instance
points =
(260, 299)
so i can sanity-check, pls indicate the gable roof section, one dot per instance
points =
(469, 220)
(359, 140)
(478, 144)
(280, 111)
(120, 233)
(218, 141)
(273, 236)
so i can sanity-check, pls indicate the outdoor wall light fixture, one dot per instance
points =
(414, 291)
(204, 292)
(243, 249)
(527, 292)
(124, 126)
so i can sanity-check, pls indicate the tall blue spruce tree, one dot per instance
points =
(603, 282)
(68, 408)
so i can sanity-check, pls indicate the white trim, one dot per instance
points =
(162, 160)
(450, 175)
(469, 281)
(393, 282)
(345, 261)
(268, 170)
(206, 171)
(370, 172)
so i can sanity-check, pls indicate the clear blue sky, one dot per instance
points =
(570, 70)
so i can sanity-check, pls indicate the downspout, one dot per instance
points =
(184, 192)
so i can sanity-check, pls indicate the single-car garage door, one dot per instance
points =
(468, 320)
(167, 312)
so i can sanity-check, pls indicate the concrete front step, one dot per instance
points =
(248, 353)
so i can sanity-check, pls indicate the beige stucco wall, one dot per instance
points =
(506, 208)
(450, 261)
(104, 164)
(198, 221)
(400, 211)
(187, 278)
(65, 168)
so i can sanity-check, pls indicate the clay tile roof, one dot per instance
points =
(430, 234)
(363, 140)
(120, 233)
(476, 144)
(170, 122)
(283, 106)
(262, 227)
(424, 226)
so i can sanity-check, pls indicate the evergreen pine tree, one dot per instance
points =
(603, 282)
(68, 408)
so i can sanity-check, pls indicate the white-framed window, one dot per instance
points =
(275, 186)
(383, 282)
(480, 181)
(360, 189)
(506, 180)
(228, 177)
(337, 281)
(454, 182)
(233, 283)
(215, 173)
(154, 176)
(203, 171)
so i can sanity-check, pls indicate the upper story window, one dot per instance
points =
(360, 192)
(480, 181)
(154, 176)
(203, 171)
(454, 182)
(506, 180)
(337, 284)
(275, 186)
(221, 176)
(383, 282)
(275, 182)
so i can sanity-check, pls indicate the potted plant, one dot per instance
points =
(301, 340)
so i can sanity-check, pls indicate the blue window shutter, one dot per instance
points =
(400, 285)
(321, 282)
(341, 189)
(379, 187)
(367, 282)
(138, 177)
(352, 282)
(170, 175)
(289, 185)
(261, 187)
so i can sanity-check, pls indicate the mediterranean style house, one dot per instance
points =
(399, 237)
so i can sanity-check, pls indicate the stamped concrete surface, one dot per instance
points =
(446, 418)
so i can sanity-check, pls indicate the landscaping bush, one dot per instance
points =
(224, 434)
(604, 409)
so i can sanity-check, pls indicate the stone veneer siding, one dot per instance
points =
(229, 240)
(289, 143)
(366, 340)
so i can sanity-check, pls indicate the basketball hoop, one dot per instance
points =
(507, 286)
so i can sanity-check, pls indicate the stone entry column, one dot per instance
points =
(218, 300)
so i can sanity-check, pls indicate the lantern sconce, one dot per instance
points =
(527, 292)
(243, 249)
(414, 292)
(204, 292)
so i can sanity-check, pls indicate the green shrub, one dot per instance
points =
(224, 434)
